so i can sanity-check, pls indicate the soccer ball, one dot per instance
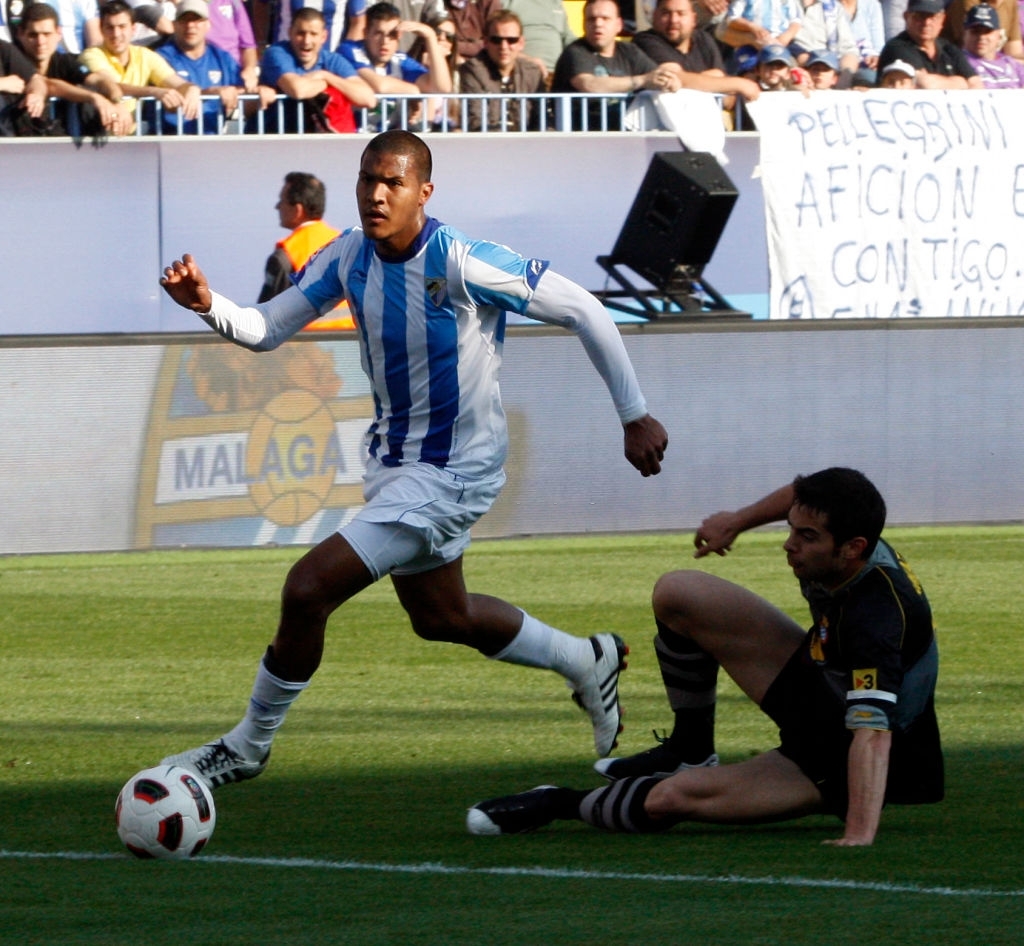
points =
(166, 811)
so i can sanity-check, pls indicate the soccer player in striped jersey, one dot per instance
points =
(429, 306)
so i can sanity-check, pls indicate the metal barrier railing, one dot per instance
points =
(478, 113)
(435, 113)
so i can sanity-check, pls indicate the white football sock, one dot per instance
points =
(270, 700)
(539, 645)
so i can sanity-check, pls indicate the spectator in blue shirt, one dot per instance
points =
(381, 64)
(205, 65)
(304, 70)
(387, 70)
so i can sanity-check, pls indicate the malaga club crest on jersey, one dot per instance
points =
(534, 270)
(437, 289)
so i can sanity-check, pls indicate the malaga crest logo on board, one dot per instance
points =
(253, 449)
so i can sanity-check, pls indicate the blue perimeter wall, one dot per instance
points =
(94, 227)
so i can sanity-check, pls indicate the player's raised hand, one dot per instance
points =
(716, 534)
(185, 283)
(646, 441)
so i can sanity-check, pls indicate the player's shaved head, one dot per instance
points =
(397, 142)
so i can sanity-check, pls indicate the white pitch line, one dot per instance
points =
(557, 873)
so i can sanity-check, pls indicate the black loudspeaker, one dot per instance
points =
(677, 217)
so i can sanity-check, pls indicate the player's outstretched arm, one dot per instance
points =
(185, 283)
(646, 441)
(261, 327)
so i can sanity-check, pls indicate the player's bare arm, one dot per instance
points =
(868, 771)
(716, 534)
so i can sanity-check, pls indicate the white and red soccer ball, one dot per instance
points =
(165, 812)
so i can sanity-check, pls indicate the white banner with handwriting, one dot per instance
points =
(886, 204)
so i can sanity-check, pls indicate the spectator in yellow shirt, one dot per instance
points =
(139, 71)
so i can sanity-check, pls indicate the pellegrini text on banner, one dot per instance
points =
(890, 204)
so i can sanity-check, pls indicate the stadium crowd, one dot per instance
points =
(125, 67)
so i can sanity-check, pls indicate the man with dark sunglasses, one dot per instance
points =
(501, 69)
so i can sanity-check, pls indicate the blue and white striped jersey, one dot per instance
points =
(432, 327)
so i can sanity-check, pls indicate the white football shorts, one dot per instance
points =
(417, 516)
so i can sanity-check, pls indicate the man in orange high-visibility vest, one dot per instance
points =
(300, 209)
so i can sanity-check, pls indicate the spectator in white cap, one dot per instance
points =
(938, 64)
(898, 75)
(983, 44)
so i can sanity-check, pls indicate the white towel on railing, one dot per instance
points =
(696, 117)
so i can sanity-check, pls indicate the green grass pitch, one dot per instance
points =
(356, 834)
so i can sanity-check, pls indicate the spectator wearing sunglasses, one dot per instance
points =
(469, 17)
(501, 69)
(444, 29)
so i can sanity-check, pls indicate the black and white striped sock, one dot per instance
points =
(690, 676)
(620, 807)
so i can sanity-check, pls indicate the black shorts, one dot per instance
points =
(812, 727)
(811, 718)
